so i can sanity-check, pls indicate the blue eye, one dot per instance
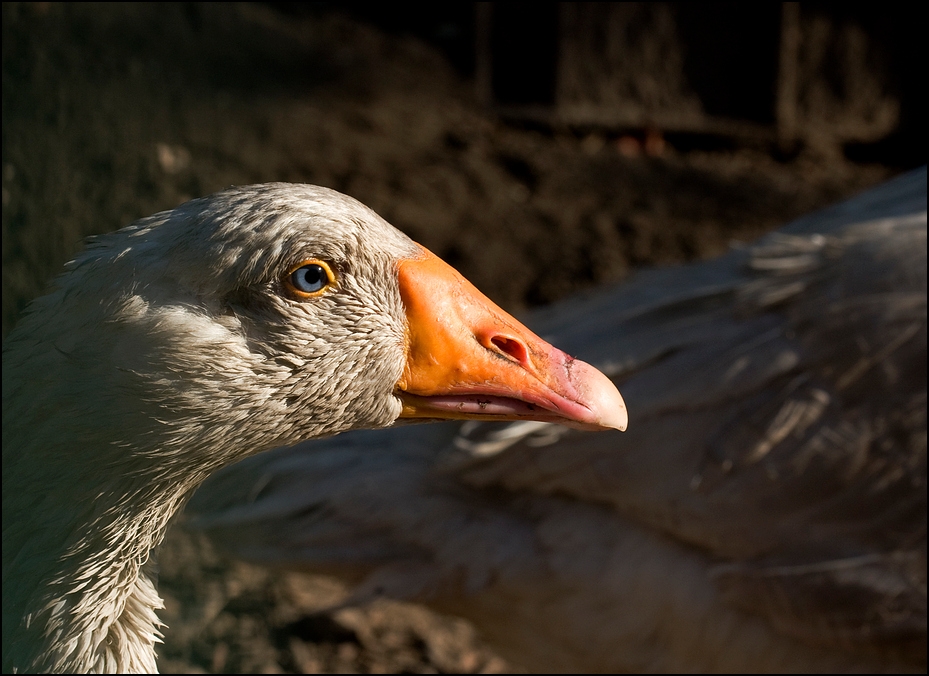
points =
(310, 278)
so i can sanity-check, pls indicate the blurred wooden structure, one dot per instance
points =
(790, 72)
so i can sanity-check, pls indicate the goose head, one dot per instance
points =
(254, 318)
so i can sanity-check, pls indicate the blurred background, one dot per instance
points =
(541, 148)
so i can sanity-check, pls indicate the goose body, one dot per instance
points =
(765, 512)
(257, 317)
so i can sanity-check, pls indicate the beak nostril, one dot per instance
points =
(512, 348)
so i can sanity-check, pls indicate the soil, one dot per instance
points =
(113, 112)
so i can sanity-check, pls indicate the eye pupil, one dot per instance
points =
(309, 278)
(312, 274)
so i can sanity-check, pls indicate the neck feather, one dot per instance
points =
(84, 599)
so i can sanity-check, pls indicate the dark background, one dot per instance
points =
(660, 142)
(541, 148)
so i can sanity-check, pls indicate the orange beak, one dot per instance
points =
(468, 359)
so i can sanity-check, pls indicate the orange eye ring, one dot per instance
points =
(308, 279)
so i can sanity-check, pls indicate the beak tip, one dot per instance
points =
(619, 420)
(601, 397)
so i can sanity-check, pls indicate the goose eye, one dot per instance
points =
(309, 279)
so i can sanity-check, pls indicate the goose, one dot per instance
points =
(766, 511)
(257, 317)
